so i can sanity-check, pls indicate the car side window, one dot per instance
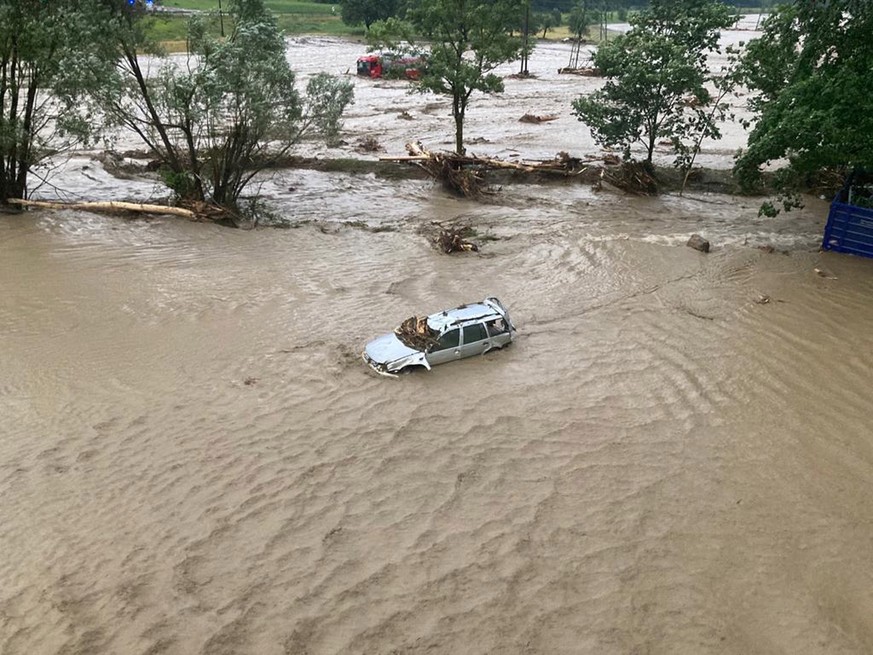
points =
(496, 326)
(450, 339)
(474, 333)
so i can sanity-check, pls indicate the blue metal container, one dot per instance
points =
(849, 228)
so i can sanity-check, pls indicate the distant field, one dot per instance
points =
(278, 6)
(293, 18)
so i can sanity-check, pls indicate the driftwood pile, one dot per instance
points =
(465, 174)
(368, 144)
(586, 71)
(452, 240)
(633, 177)
(414, 333)
(459, 174)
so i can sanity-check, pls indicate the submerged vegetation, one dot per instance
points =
(211, 123)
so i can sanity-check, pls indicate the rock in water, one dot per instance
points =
(698, 243)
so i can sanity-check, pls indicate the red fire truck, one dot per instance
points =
(391, 66)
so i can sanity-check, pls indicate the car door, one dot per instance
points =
(475, 340)
(499, 332)
(448, 348)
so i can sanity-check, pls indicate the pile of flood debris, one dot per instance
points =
(415, 333)
(584, 71)
(449, 239)
(453, 240)
(465, 174)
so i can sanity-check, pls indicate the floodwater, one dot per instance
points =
(675, 456)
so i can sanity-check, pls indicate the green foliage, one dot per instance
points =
(226, 113)
(545, 22)
(657, 79)
(579, 20)
(468, 40)
(179, 182)
(51, 53)
(811, 71)
(326, 99)
(355, 12)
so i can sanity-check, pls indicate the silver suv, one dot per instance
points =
(442, 337)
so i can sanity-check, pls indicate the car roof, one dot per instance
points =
(460, 315)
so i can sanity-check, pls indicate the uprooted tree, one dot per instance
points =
(658, 81)
(228, 112)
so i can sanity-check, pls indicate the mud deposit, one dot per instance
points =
(193, 458)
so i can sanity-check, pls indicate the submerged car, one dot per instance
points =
(442, 337)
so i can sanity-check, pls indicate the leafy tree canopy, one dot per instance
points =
(229, 111)
(657, 78)
(356, 12)
(812, 71)
(468, 40)
(51, 54)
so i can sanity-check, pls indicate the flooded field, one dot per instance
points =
(674, 457)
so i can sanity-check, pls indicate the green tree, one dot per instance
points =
(545, 22)
(469, 39)
(50, 54)
(579, 19)
(811, 73)
(657, 78)
(356, 12)
(228, 112)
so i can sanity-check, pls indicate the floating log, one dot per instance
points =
(106, 206)
(198, 211)
(533, 118)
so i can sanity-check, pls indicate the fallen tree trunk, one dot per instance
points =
(198, 211)
(534, 118)
(106, 206)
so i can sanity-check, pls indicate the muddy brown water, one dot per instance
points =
(194, 459)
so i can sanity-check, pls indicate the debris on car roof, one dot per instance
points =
(425, 341)
(415, 333)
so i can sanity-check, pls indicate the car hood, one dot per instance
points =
(388, 348)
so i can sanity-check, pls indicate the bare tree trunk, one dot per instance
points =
(458, 112)
(156, 122)
(524, 51)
